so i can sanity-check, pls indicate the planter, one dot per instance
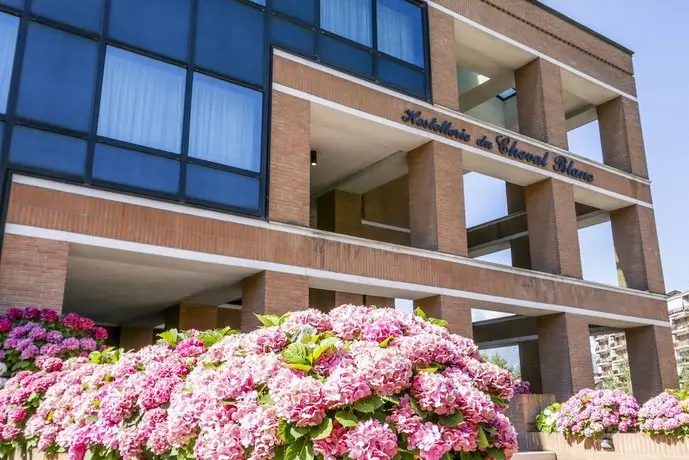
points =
(35, 455)
(522, 413)
(625, 446)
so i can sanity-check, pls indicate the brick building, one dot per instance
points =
(199, 161)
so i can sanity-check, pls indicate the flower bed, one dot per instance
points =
(666, 415)
(357, 383)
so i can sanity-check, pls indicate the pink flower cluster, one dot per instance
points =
(666, 414)
(591, 413)
(29, 333)
(357, 383)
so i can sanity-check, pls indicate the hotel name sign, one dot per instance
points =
(503, 144)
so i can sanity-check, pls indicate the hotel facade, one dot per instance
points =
(197, 162)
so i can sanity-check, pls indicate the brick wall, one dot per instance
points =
(621, 136)
(651, 361)
(272, 293)
(443, 59)
(33, 272)
(388, 204)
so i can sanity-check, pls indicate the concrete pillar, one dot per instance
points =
(530, 365)
(229, 317)
(636, 245)
(134, 337)
(539, 102)
(191, 316)
(381, 302)
(519, 247)
(290, 160)
(340, 212)
(456, 311)
(553, 231)
(651, 361)
(325, 301)
(621, 136)
(33, 272)
(436, 199)
(272, 293)
(443, 59)
(565, 354)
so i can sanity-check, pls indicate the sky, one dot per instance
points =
(656, 32)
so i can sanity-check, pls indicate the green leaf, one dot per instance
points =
(300, 450)
(296, 353)
(482, 440)
(368, 405)
(453, 420)
(268, 320)
(299, 367)
(298, 432)
(420, 313)
(391, 399)
(430, 370)
(265, 399)
(170, 337)
(92, 418)
(385, 342)
(438, 322)
(496, 453)
(346, 419)
(323, 346)
(283, 432)
(323, 430)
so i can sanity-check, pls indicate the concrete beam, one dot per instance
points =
(373, 176)
(483, 92)
(581, 117)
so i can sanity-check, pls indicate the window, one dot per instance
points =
(229, 39)
(211, 185)
(142, 101)
(398, 75)
(19, 4)
(78, 13)
(41, 149)
(161, 26)
(348, 18)
(8, 40)
(303, 10)
(66, 98)
(400, 30)
(225, 123)
(135, 169)
(345, 56)
(292, 36)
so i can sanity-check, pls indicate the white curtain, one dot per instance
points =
(397, 35)
(142, 101)
(348, 18)
(225, 123)
(8, 40)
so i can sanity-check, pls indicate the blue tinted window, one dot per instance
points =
(42, 149)
(340, 54)
(142, 101)
(225, 123)
(229, 39)
(85, 14)
(300, 9)
(400, 30)
(66, 98)
(9, 25)
(292, 36)
(135, 169)
(2, 132)
(14, 3)
(222, 187)
(348, 18)
(157, 25)
(400, 76)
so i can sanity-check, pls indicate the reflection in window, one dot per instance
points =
(348, 18)
(8, 39)
(78, 13)
(142, 101)
(45, 150)
(399, 30)
(222, 187)
(225, 123)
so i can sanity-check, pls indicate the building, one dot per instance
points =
(678, 308)
(196, 162)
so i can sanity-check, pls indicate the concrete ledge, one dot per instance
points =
(626, 446)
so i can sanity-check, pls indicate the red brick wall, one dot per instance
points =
(621, 136)
(388, 204)
(443, 59)
(33, 272)
(272, 293)
(457, 312)
(651, 361)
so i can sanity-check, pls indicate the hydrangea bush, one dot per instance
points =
(357, 383)
(667, 414)
(28, 333)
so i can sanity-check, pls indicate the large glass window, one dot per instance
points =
(400, 31)
(41, 149)
(58, 78)
(14, 3)
(8, 40)
(225, 123)
(135, 169)
(348, 18)
(142, 101)
(214, 186)
(161, 26)
(84, 14)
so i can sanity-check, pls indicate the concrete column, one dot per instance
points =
(436, 199)
(530, 365)
(340, 212)
(443, 59)
(290, 160)
(636, 245)
(381, 302)
(519, 247)
(327, 300)
(565, 354)
(621, 136)
(553, 232)
(272, 293)
(229, 317)
(651, 361)
(33, 272)
(191, 316)
(134, 337)
(457, 312)
(539, 102)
